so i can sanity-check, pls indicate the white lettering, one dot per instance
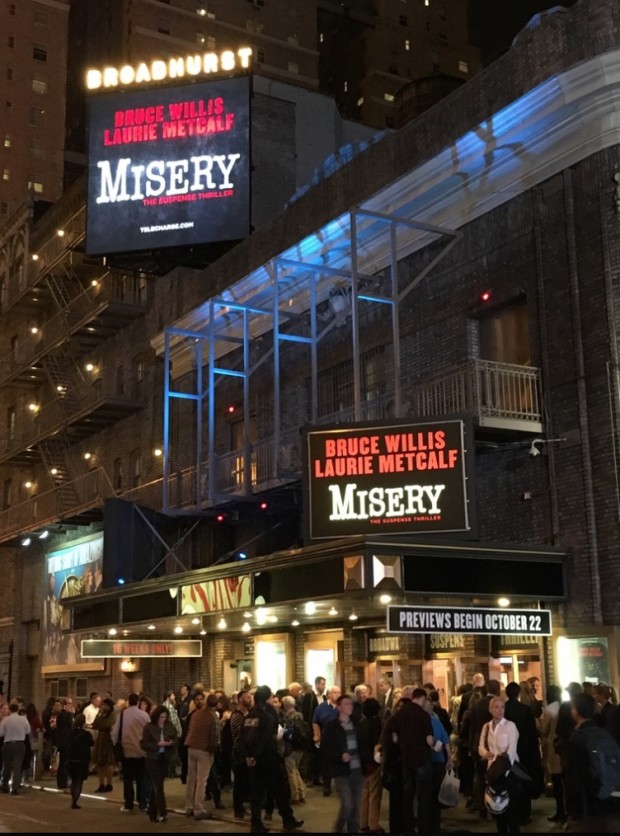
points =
(377, 502)
(178, 182)
(113, 191)
(226, 169)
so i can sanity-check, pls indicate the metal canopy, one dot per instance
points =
(297, 297)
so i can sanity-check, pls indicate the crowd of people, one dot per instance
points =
(506, 745)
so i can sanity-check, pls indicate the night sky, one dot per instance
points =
(494, 23)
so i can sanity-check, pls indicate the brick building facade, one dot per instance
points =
(493, 216)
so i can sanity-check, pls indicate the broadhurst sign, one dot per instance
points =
(377, 479)
(169, 166)
(471, 620)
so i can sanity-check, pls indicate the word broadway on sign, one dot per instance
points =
(161, 177)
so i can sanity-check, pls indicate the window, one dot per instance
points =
(360, 101)
(36, 186)
(6, 174)
(293, 67)
(39, 53)
(407, 44)
(402, 19)
(11, 41)
(40, 17)
(389, 97)
(120, 380)
(136, 468)
(260, 56)
(7, 493)
(139, 375)
(9, 73)
(200, 39)
(7, 141)
(210, 42)
(335, 385)
(10, 422)
(163, 27)
(463, 67)
(117, 474)
(36, 116)
(321, 37)
(37, 146)
(39, 86)
(346, 87)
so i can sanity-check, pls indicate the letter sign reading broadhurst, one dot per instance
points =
(169, 166)
(383, 480)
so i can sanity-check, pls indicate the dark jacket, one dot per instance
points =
(309, 705)
(64, 725)
(444, 718)
(581, 800)
(150, 740)
(334, 746)
(465, 703)
(528, 748)
(413, 725)
(369, 735)
(479, 716)
(80, 744)
(258, 735)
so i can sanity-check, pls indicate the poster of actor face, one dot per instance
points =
(74, 570)
(169, 166)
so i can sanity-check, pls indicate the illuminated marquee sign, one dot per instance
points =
(468, 620)
(108, 648)
(386, 479)
(169, 167)
(199, 64)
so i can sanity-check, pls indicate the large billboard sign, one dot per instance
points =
(377, 479)
(169, 166)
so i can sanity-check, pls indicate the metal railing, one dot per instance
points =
(491, 392)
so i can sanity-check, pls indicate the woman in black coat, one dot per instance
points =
(78, 762)
(159, 740)
(340, 748)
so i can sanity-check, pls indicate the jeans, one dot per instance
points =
(418, 782)
(349, 788)
(12, 759)
(269, 777)
(439, 771)
(396, 790)
(371, 800)
(241, 787)
(134, 772)
(298, 788)
(199, 765)
(157, 769)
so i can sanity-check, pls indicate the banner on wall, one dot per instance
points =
(216, 595)
(74, 570)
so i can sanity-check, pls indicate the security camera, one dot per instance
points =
(534, 448)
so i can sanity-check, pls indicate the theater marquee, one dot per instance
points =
(468, 620)
(379, 479)
(169, 166)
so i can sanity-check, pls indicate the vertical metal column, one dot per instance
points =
(199, 405)
(247, 452)
(276, 368)
(314, 383)
(395, 318)
(355, 326)
(211, 461)
(166, 489)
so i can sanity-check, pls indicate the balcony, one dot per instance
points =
(92, 317)
(81, 412)
(498, 396)
(86, 506)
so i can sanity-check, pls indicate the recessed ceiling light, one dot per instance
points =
(272, 619)
(203, 632)
(295, 623)
(352, 617)
(247, 615)
(385, 598)
(195, 621)
(310, 608)
(503, 601)
(151, 627)
(112, 631)
(221, 624)
(178, 630)
(246, 627)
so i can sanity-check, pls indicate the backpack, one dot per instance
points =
(301, 735)
(604, 761)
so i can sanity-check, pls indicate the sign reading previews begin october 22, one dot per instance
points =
(169, 166)
(472, 620)
(122, 648)
(387, 479)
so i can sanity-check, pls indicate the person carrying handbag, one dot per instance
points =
(498, 742)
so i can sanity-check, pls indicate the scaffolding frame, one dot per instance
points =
(355, 259)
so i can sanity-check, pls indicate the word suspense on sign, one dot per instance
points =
(169, 166)
(382, 479)
(474, 621)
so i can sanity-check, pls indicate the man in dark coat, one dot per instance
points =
(528, 747)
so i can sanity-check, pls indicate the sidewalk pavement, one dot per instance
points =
(318, 813)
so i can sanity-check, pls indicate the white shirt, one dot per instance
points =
(14, 728)
(499, 740)
(90, 712)
(134, 721)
